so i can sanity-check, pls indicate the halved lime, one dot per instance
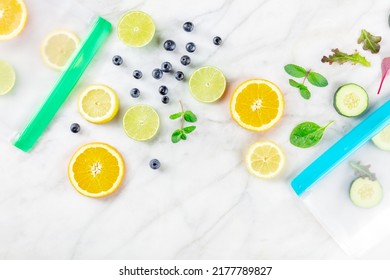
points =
(136, 29)
(7, 77)
(207, 84)
(141, 122)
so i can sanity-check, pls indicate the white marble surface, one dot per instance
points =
(202, 204)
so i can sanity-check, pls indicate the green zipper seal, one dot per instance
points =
(69, 78)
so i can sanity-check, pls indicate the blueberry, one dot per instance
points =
(163, 90)
(117, 60)
(185, 60)
(135, 93)
(137, 74)
(166, 67)
(179, 76)
(155, 164)
(217, 40)
(169, 45)
(157, 73)
(75, 128)
(188, 26)
(190, 47)
(165, 99)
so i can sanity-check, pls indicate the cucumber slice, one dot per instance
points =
(351, 100)
(382, 139)
(366, 193)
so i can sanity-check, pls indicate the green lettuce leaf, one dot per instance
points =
(370, 42)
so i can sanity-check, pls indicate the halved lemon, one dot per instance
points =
(136, 29)
(96, 170)
(58, 47)
(207, 84)
(141, 122)
(257, 105)
(13, 18)
(98, 104)
(7, 77)
(265, 159)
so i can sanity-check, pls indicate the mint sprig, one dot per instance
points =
(183, 131)
(314, 78)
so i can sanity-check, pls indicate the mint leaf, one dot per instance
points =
(370, 42)
(183, 136)
(189, 129)
(190, 117)
(176, 136)
(176, 116)
(305, 93)
(307, 134)
(317, 79)
(294, 83)
(295, 70)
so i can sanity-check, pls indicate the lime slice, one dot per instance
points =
(207, 84)
(98, 104)
(7, 77)
(141, 122)
(58, 47)
(136, 29)
(382, 139)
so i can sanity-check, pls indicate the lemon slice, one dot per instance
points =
(136, 29)
(13, 17)
(141, 122)
(96, 170)
(58, 47)
(207, 84)
(265, 159)
(98, 104)
(7, 77)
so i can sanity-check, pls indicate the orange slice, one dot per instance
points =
(13, 17)
(96, 170)
(257, 105)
